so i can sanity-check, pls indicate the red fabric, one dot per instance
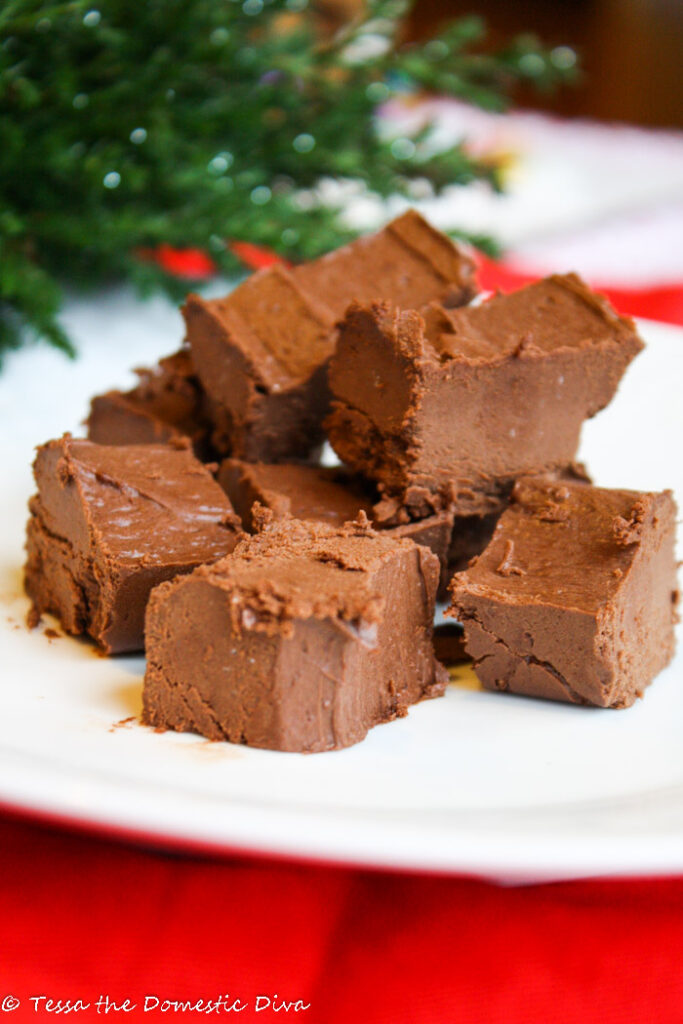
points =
(197, 265)
(256, 257)
(83, 918)
(187, 264)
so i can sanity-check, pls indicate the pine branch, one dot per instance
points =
(194, 122)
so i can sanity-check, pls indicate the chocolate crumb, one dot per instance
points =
(33, 617)
(628, 531)
(123, 723)
(64, 471)
(525, 344)
(561, 493)
(179, 443)
(262, 518)
(361, 525)
(553, 513)
(506, 567)
(401, 709)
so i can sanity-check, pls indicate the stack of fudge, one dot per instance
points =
(290, 605)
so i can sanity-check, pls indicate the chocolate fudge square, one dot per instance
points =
(109, 523)
(453, 405)
(574, 598)
(166, 404)
(302, 639)
(407, 261)
(471, 534)
(324, 494)
(261, 353)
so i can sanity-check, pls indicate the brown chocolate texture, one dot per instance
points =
(323, 493)
(261, 353)
(301, 640)
(109, 523)
(471, 534)
(328, 495)
(453, 405)
(449, 644)
(574, 598)
(167, 403)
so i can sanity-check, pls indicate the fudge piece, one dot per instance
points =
(109, 523)
(574, 598)
(408, 261)
(261, 353)
(471, 534)
(168, 402)
(325, 494)
(302, 639)
(453, 406)
(433, 532)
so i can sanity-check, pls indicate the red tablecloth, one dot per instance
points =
(84, 918)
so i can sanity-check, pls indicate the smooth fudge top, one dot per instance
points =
(558, 312)
(408, 261)
(324, 493)
(299, 570)
(563, 544)
(144, 504)
(281, 321)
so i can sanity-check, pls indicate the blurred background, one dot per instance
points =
(179, 144)
(631, 50)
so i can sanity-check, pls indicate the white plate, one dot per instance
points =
(480, 783)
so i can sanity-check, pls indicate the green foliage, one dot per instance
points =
(126, 124)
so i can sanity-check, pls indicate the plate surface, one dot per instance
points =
(480, 783)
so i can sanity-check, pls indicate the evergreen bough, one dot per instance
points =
(128, 124)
